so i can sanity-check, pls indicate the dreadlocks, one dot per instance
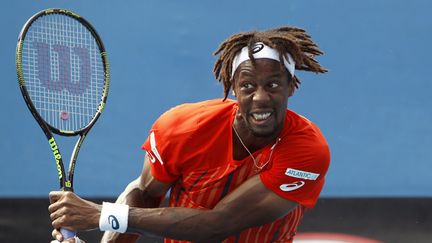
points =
(292, 40)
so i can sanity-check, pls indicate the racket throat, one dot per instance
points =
(67, 186)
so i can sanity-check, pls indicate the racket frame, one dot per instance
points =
(65, 179)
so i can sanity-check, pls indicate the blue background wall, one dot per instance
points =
(374, 105)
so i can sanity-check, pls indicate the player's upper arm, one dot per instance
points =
(251, 204)
(150, 185)
(145, 191)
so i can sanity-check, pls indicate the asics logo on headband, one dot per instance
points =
(260, 50)
(257, 48)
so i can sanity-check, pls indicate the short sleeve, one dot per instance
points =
(161, 157)
(166, 144)
(298, 169)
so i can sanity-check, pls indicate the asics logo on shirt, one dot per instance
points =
(292, 186)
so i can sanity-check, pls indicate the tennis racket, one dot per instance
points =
(63, 75)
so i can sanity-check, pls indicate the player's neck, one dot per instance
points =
(245, 142)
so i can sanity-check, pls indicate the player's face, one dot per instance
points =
(262, 92)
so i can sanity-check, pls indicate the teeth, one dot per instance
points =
(261, 116)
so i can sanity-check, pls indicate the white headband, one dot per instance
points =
(260, 50)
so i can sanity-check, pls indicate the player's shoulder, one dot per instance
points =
(298, 126)
(190, 117)
(302, 143)
(301, 134)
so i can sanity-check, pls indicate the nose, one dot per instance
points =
(261, 95)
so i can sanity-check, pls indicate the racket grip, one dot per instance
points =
(67, 233)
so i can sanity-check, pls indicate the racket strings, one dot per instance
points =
(63, 71)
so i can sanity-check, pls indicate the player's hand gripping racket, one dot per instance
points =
(63, 74)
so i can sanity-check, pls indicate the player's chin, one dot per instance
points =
(263, 129)
(264, 132)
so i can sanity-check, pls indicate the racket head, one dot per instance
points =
(63, 71)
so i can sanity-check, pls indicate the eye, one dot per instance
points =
(273, 85)
(246, 85)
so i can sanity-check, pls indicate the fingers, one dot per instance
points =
(59, 222)
(68, 210)
(58, 199)
(55, 197)
(56, 213)
(58, 209)
(56, 235)
(59, 238)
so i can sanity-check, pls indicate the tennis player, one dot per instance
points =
(242, 170)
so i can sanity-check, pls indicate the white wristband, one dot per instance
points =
(114, 217)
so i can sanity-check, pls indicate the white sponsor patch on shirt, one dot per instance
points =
(301, 174)
(292, 186)
(153, 147)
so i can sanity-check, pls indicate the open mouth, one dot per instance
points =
(261, 116)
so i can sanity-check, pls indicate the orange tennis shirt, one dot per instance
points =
(191, 146)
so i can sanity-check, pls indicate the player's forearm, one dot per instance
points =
(179, 223)
(134, 197)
